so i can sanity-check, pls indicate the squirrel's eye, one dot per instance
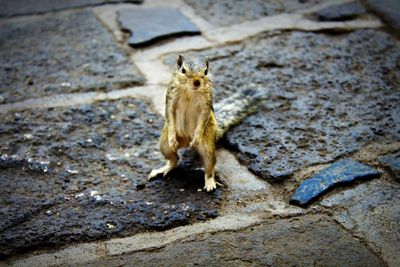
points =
(206, 72)
(183, 70)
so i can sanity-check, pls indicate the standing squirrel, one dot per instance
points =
(190, 119)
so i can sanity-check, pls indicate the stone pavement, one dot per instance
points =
(82, 111)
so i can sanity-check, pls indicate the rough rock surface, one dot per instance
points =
(228, 12)
(392, 162)
(371, 210)
(312, 240)
(340, 172)
(325, 95)
(152, 24)
(79, 174)
(23, 7)
(388, 10)
(70, 52)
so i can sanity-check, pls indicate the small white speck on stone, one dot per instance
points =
(89, 140)
(66, 84)
(28, 136)
(112, 117)
(199, 190)
(181, 189)
(126, 136)
(97, 197)
(79, 195)
(72, 171)
(149, 203)
(127, 155)
(111, 158)
(110, 226)
(49, 212)
(93, 193)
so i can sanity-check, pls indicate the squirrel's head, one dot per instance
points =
(193, 72)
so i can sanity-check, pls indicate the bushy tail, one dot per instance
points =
(235, 108)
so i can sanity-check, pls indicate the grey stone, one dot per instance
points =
(372, 211)
(388, 10)
(152, 24)
(340, 172)
(326, 95)
(24, 7)
(60, 53)
(228, 12)
(392, 162)
(312, 240)
(341, 12)
(77, 174)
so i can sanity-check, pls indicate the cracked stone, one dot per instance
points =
(371, 210)
(64, 168)
(311, 240)
(229, 12)
(23, 7)
(152, 24)
(61, 53)
(341, 12)
(325, 95)
(340, 172)
(392, 162)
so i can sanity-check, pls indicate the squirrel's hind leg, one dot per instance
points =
(169, 155)
(207, 152)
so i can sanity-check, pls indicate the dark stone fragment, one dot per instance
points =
(24, 7)
(152, 24)
(86, 188)
(61, 53)
(388, 10)
(392, 162)
(340, 172)
(341, 12)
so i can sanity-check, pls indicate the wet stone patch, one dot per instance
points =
(62, 52)
(325, 95)
(80, 174)
(229, 12)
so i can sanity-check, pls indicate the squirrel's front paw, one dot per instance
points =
(173, 143)
(195, 142)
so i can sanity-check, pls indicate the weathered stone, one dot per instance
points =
(60, 53)
(392, 162)
(372, 211)
(80, 174)
(388, 10)
(311, 240)
(341, 12)
(152, 24)
(325, 96)
(23, 7)
(228, 12)
(340, 172)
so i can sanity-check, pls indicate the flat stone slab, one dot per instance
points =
(60, 53)
(229, 12)
(372, 211)
(24, 7)
(392, 162)
(342, 12)
(325, 95)
(148, 25)
(305, 241)
(340, 172)
(77, 174)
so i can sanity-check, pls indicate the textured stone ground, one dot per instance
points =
(82, 111)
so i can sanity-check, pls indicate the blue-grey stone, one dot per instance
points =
(392, 161)
(151, 24)
(388, 10)
(341, 12)
(342, 171)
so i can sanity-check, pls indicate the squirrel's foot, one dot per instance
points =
(210, 183)
(163, 170)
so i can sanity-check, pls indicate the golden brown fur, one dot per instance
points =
(190, 119)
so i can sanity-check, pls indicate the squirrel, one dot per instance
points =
(190, 120)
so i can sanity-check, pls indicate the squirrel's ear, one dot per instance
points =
(179, 62)
(207, 66)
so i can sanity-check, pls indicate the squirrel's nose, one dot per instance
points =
(196, 83)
